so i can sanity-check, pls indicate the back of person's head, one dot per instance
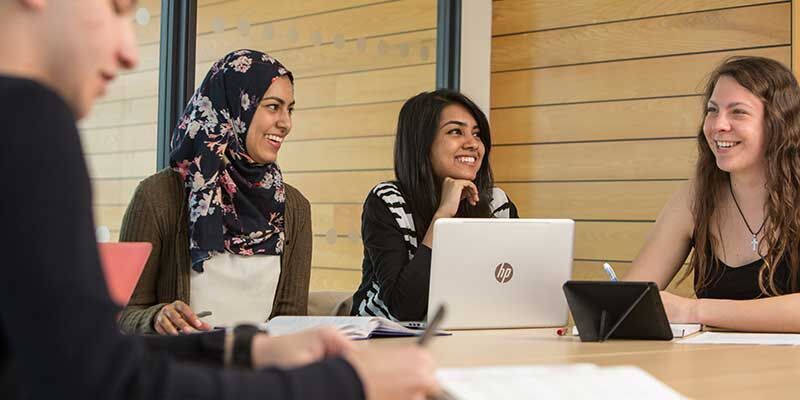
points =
(74, 47)
(417, 127)
(777, 89)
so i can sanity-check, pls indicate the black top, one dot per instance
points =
(741, 283)
(58, 332)
(396, 269)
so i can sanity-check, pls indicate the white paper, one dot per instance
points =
(678, 330)
(785, 339)
(575, 381)
(353, 327)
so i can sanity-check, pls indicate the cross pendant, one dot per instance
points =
(754, 242)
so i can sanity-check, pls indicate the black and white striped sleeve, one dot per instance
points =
(402, 278)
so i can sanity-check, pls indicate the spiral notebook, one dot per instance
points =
(355, 328)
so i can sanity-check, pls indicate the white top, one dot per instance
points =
(235, 288)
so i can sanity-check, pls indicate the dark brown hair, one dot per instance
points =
(776, 87)
(417, 126)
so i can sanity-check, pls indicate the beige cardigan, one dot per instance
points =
(158, 214)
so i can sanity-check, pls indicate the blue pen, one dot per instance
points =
(610, 272)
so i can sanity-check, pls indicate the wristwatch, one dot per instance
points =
(238, 345)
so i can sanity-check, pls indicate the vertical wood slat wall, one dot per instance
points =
(348, 88)
(596, 105)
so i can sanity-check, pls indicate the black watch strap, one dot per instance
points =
(242, 345)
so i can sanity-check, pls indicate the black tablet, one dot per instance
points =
(617, 310)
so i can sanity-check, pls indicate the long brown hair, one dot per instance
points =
(776, 87)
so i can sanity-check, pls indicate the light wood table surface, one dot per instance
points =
(697, 371)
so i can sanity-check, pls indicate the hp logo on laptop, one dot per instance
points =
(504, 272)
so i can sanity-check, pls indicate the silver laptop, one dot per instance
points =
(501, 273)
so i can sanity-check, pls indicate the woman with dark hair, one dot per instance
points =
(740, 212)
(441, 161)
(229, 235)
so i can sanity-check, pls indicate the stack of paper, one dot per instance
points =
(576, 381)
(353, 327)
(785, 339)
(678, 330)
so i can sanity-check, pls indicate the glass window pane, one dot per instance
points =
(355, 62)
(119, 136)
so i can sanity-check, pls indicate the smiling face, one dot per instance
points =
(734, 127)
(271, 122)
(457, 150)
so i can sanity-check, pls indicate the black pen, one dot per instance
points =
(431, 327)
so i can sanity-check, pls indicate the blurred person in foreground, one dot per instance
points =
(62, 57)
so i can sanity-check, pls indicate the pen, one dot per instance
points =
(431, 327)
(610, 272)
(203, 314)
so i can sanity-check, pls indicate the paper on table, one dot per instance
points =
(678, 330)
(352, 327)
(785, 339)
(575, 381)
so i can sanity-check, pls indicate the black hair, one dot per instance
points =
(417, 126)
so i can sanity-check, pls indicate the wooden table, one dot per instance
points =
(697, 371)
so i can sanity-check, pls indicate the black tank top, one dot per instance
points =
(741, 283)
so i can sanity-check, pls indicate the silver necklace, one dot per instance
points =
(754, 240)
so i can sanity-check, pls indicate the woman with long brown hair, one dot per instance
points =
(739, 214)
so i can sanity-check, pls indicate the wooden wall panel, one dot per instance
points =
(596, 107)
(344, 253)
(114, 191)
(609, 240)
(337, 187)
(344, 122)
(642, 159)
(594, 200)
(308, 61)
(342, 218)
(269, 26)
(119, 138)
(121, 165)
(366, 87)
(134, 111)
(335, 279)
(613, 120)
(647, 78)
(110, 216)
(534, 15)
(338, 154)
(767, 25)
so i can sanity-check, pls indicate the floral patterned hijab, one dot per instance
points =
(235, 204)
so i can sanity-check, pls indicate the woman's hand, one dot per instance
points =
(177, 317)
(680, 310)
(453, 191)
(298, 349)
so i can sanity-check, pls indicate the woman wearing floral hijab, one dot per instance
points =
(229, 236)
